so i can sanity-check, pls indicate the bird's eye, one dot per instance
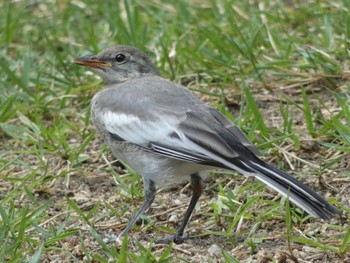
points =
(120, 58)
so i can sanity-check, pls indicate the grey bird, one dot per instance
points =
(168, 135)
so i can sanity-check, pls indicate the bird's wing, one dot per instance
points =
(205, 137)
(234, 131)
(170, 121)
(159, 134)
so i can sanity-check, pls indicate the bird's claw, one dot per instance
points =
(176, 238)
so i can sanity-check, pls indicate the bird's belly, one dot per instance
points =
(163, 171)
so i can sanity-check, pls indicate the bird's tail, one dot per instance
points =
(300, 194)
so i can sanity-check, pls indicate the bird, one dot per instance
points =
(169, 136)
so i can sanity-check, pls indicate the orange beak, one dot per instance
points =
(91, 62)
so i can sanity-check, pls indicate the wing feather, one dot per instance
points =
(189, 138)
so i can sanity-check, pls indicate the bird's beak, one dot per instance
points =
(91, 62)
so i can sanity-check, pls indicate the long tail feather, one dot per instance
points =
(300, 194)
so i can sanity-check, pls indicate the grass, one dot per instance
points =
(279, 71)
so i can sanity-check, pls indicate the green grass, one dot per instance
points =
(279, 71)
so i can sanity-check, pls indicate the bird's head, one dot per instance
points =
(119, 64)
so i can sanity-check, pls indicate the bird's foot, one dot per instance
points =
(177, 238)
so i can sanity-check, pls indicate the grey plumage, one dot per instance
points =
(168, 135)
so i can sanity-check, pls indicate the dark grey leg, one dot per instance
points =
(150, 192)
(197, 189)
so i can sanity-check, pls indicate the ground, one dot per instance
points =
(94, 184)
(279, 70)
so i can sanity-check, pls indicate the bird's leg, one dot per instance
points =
(150, 193)
(197, 189)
